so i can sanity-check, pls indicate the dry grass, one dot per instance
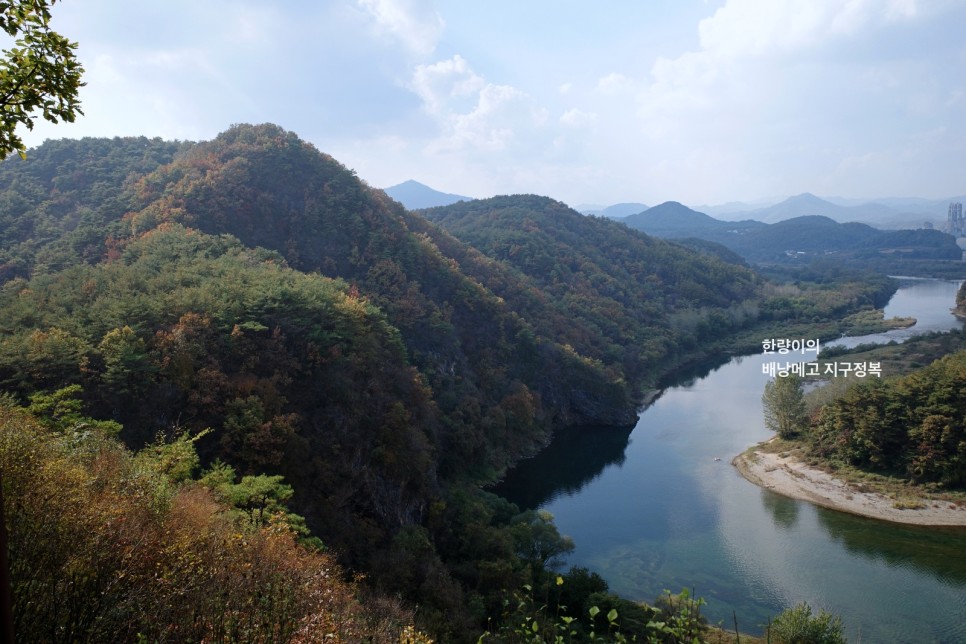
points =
(717, 635)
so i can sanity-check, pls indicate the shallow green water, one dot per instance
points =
(653, 509)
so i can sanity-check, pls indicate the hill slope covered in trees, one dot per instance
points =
(384, 364)
(110, 546)
(641, 303)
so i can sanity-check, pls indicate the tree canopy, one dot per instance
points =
(253, 292)
(40, 72)
(784, 405)
(912, 426)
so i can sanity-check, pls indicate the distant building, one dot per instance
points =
(955, 224)
(927, 225)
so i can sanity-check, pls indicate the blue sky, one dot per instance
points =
(698, 101)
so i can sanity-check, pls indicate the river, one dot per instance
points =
(654, 508)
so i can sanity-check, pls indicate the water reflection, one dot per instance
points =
(655, 509)
(576, 457)
(936, 550)
(691, 374)
(783, 510)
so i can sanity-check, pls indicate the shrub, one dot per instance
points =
(798, 626)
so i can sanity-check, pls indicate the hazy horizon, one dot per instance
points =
(738, 206)
(702, 101)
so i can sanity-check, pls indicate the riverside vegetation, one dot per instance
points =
(910, 427)
(903, 435)
(290, 356)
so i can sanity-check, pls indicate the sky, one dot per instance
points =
(698, 101)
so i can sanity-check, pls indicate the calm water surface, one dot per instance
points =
(652, 509)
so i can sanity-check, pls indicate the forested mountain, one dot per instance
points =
(272, 190)
(799, 239)
(269, 189)
(62, 205)
(674, 220)
(707, 247)
(385, 364)
(298, 375)
(640, 302)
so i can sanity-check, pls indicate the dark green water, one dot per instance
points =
(653, 509)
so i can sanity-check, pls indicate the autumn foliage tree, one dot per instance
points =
(110, 546)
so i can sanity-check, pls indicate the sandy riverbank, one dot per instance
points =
(788, 476)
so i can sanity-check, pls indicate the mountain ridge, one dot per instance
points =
(883, 213)
(252, 296)
(798, 238)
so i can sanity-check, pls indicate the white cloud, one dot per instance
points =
(492, 123)
(470, 112)
(415, 23)
(746, 47)
(577, 118)
(782, 83)
(759, 27)
(502, 116)
(614, 83)
(444, 83)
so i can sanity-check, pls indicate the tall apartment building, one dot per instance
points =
(955, 224)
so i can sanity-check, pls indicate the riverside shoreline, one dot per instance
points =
(788, 476)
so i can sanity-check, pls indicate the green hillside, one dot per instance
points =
(251, 292)
(639, 302)
(295, 373)
(60, 206)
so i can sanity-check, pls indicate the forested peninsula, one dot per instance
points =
(239, 342)
(891, 448)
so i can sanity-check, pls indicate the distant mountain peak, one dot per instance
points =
(409, 183)
(805, 196)
(415, 195)
(673, 219)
